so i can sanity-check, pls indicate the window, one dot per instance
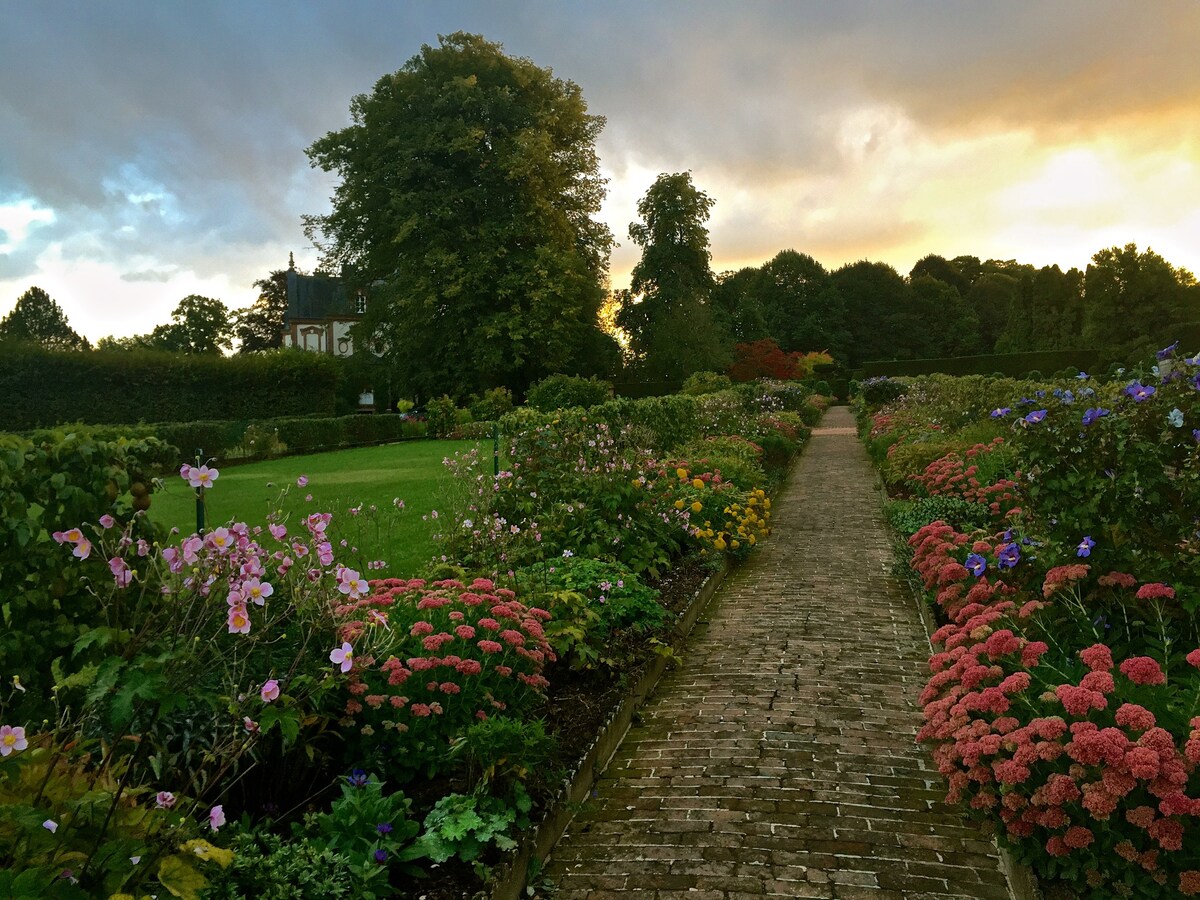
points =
(360, 304)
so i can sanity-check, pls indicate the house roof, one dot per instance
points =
(317, 297)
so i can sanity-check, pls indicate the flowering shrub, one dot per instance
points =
(209, 652)
(428, 660)
(977, 476)
(1083, 752)
(573, 487)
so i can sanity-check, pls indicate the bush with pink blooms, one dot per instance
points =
(430, 660)
(1063, 705)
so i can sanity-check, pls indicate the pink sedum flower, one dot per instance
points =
(12, 739)
(270, 690)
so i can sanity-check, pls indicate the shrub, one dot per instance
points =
(910, 516)
(430, 660)
(566, 391)
(442, 415)
(492, 405)
(879, 390)
(591, 601)
(705, 383)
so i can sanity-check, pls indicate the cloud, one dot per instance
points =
(167, 140)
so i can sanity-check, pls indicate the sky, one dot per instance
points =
(153, 150)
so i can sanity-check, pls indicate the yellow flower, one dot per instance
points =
(697, 506)
(767, 504)
(760, 493)
(682, 473)
(719, 544)
(698, 484)
(735, 545)
(679, 504)
(752, 540)
(751, 501)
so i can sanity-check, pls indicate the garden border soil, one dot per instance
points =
(1022, 882)
(510, 882)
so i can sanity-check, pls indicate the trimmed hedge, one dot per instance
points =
(224, 439)
(40, 388)
(1014, 365)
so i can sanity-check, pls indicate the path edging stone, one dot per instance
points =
(510, 883)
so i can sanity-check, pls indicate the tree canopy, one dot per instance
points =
(259, 326)
(38, 319)
(669, 315)
(465, 210)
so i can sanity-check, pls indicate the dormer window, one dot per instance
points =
(360, 304)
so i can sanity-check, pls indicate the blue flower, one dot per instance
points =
(380, 856)
(1000, 412)
(358, 778)
(1067, 397)
(976, 564)
(1039, 394)
(1008, 556)
(1139, 391)
(1087, 392)
(1196, 381)
(1166, 351)
(1175, 417)
(1082, 376)
(1085, 547)
(384, 827)
(1196, 434)
(1091, 414)
(1036, 416)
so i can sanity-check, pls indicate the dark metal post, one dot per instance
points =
(495, 448)
(199, 496)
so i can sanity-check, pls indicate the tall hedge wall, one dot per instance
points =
(1013, 365)
(40, 388)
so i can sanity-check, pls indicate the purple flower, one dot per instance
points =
(358, 778)
(1008, 556)
(1196, 434)
(1166, 351)
(1092, 414)
(1036, 416)
(975, 564)
(1000, 412)
(384, 827)
(1139, 391)
(1082, 376)
(1085, 547)
(381, 856)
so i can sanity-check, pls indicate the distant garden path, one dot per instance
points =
(779, 758)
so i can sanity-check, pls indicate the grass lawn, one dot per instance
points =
(338, 480)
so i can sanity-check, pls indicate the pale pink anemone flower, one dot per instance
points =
(343, 656)
(12, 739)
(269, 690)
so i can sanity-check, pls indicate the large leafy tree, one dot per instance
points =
(199, 325)
(803, 309)
(1136, 300)
(875, 296)
(469, 182)
(259, 326)
(38, 319)
(669, 318)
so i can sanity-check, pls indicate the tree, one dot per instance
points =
(260, 326)
(469, 182)
(199, 325)
(737, 305)
(1135, 300)
(801, 306)
(991, 297)
(669, 319)
(38, 319)
(942, 269)
(874, 294)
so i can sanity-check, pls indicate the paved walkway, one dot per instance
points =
(779, 758)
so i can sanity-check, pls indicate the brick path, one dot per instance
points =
(779, 759)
